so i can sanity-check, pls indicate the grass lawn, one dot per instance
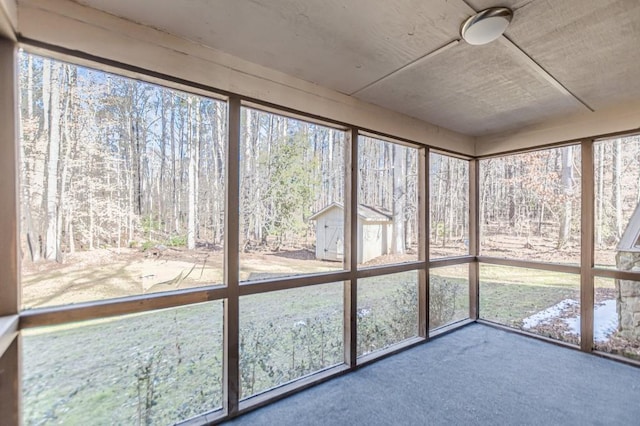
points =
(166, 366)
(162, 365)
(508, 295)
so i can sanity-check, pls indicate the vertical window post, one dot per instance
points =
(586, 262)
(474, 239)
(423, 242)
(9, 248)
(351, 248)
(231, 355)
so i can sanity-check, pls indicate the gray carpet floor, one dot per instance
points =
(477, 375)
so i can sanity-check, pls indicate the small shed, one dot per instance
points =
(374, 232)
(628, 259)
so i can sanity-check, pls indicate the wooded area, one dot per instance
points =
(449, 206)
(530, 205)
(530, 202)
(123, 166)
(119, 170)
(617, 193)
(112, 162)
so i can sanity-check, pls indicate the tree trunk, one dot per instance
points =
(600, 195)
(567, 193)
(399, 200)
(617, 197)
(30, 87)
(191, 201)
(51, 241)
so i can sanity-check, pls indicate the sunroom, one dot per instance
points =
(162, 163)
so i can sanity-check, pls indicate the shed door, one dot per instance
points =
(334, 244)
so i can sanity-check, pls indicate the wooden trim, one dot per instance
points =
(616, 274)
(112, 67)
(10, 389)
(554, 145)
(261, 107)
(444, 152)
(451, 261)
(390, 139)
(558, 144)
(350, 297)
(390, 350)
(116, 307)
(586, 248)
(8, 331)
(350, 318)
(208, 418)
(375, 271)
(521, 57)
(6, 28)
(613, 135)
(9, 249)
(289, 388)
(231, 350)
(423, 242)
(567, 269)
(474, 238)
(438, 50)
(287, 283)
(449, 328)
(527, 334)
(10, 365)
(142, 303)
(618, 358)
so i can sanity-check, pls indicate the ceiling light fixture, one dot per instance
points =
(486, 26)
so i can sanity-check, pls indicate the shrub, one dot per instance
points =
(442, 301)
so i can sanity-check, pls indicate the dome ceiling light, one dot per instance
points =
(486, 26)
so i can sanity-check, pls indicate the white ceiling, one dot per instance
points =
(558, 56)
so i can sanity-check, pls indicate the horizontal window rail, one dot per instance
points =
(116, 307)
(374, 271)
(451, 261)
(8, 331)
(568, 269)
(276, 284)
(616, 274)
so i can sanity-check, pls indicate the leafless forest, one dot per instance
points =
(530, 203)
(115, 171)
(119, 170)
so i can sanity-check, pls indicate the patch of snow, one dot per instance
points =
(605, 321)
(605, 318)
(548, 314)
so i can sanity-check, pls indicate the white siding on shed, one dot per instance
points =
(374, 233)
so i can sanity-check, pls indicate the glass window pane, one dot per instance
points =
(287, 334)
(388, 202)
(151, 368)
(449, 208)
(122, 185)
(387, 310)
(540, 302)
(617, 201)
(448, 295)
(291, 197)
(616, 317)
(530, 206)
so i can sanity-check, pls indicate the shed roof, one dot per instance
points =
(367, 213)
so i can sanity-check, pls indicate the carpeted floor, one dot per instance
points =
(474, 376)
